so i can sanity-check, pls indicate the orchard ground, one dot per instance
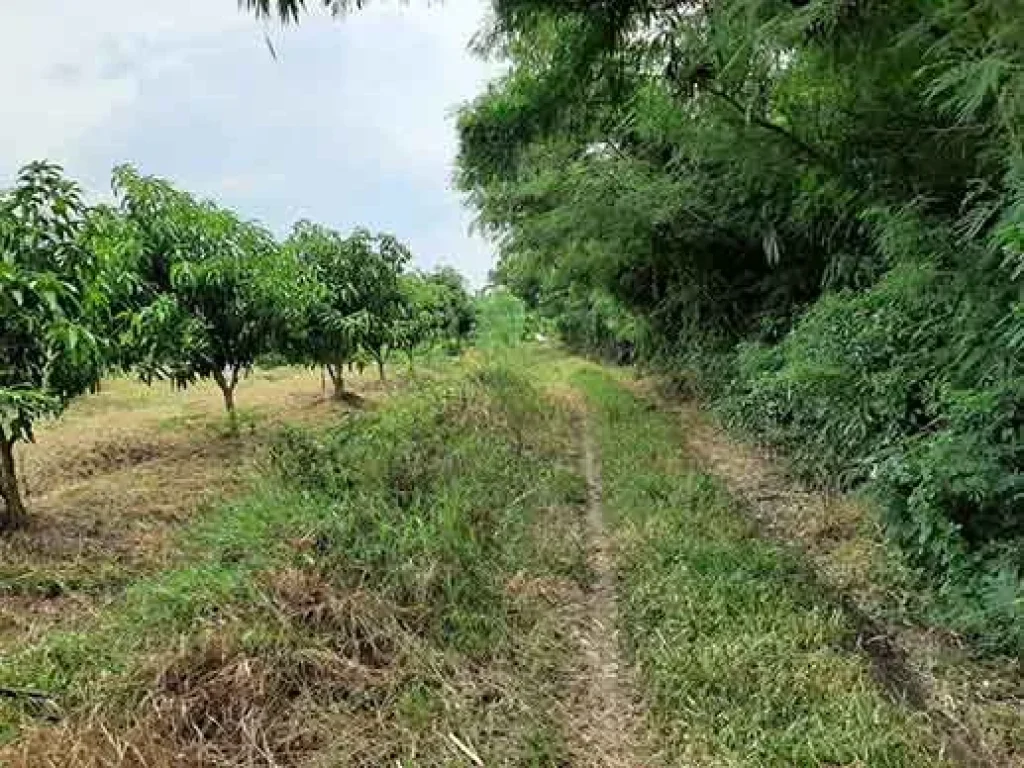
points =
(111, 481)
(517, 558)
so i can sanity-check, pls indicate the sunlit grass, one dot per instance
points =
(358, 603)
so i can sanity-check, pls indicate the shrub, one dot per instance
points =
(874, 388)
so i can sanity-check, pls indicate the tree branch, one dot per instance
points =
(812, 152)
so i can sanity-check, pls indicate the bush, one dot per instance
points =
(851, 380)
(431, 496)
(871, 388)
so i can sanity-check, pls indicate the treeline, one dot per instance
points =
(812, 213)
(174, 288)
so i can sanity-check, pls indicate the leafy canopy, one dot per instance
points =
(214, 293)
(436, 308)
(50, 300)
(350, 294)
(810, 213)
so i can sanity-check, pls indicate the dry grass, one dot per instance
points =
(110, 482)
(219, 701)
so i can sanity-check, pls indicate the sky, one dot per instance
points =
(351, 125)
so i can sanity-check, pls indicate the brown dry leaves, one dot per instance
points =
(219, 701)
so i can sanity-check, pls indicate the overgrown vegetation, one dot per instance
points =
(371, 605)
(744, 658)
(810, 213)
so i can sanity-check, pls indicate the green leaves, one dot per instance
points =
(50, 349)
(20, 408)
(350, 294)
(213, 294)
(435, 308)
(810, 211)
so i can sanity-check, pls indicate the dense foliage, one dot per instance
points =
(334, 319)
(171, 287)
(436, 308)
(212, 303)
(812, 213)
(50, 297)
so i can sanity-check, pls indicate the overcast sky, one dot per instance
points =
(351, 125)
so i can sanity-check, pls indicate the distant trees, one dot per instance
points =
(452, 307)
(331, 321)
(502, 320)
(436, 308)
(355, 298)
(172, 287)
(380, 259)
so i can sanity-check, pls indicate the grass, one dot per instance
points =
(404, 585)
(744, 659)
(976, 694)
(381, 597)
(111, 483)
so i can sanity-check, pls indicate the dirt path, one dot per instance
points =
(607, 715)
(977, 705)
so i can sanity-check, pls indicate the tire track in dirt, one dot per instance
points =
(608, 721)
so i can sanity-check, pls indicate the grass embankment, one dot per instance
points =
(744, 658)
(379, 599)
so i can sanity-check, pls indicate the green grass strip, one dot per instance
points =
(744, 660)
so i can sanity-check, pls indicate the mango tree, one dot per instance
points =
(454, 309)
(329, 315)
(379, 261)
(116, 294)
(418, 323)
(436, 308)
(215, 294)
(49, 350)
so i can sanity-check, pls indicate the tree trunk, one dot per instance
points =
(380, 369)
(227, 388)
(338, 380)
(13, 515)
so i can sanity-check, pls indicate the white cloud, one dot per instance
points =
(350, 125)
(65, 65)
